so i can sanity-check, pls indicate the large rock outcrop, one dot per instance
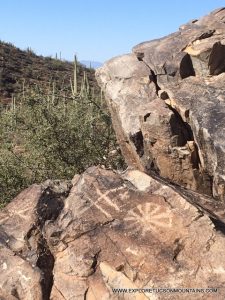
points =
(168, 105)
(109, 231)
(135, 234)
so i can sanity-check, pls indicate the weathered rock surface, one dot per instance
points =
(25, 260)
(106, 230)
(112, 231)
(168, 105)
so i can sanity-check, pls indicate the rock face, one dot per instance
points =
(25, 260)
(128, 235)
(168, 105)
(112, 231)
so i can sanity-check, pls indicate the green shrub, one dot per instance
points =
(53, 137)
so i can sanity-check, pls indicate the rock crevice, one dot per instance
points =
(23, 221)
(111, 231)
(155, 224)
(179, 111)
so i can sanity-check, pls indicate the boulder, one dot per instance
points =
(18, 278)
(25, 260)
(112, 231)
(152, 231)
(168, 106)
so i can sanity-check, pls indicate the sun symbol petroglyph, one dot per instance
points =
(148, 217)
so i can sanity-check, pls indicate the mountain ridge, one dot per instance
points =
(23, 68)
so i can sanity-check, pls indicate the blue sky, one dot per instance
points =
(94, 30)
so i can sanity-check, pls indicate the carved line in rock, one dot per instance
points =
(108, 201)
(148, 217)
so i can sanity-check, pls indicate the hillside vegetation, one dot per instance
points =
(53, 121)
(20, 68)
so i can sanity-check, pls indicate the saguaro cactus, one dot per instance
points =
(73, 83)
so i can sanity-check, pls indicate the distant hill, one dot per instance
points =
(20, 68)
(92, 64)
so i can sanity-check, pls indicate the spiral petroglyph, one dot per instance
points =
(148, 217)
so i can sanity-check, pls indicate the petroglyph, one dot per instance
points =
(132, 251)
(3, 219)
(99, 207)
(124, 196)
(106, 200)
(148, 217)
(23, 214)
(23, 276)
